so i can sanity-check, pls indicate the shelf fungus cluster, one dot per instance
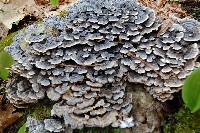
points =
(85, 59)
(45, 126)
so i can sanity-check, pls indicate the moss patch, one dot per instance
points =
(196, 13)
(183, 122)
(41, 110)
(7, 41)
(63, 13)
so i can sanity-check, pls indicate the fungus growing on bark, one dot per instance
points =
(45, 126)
(85, 59)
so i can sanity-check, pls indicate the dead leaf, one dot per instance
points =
(16, 10)
(7, 116)
(161, 3)
(10, 12)
(165, 10)
(1, 98)
(41, 2)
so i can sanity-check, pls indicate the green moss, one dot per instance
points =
(41, 110)
(7, 41)
(183, 122)
(196, 13)
(63, 13)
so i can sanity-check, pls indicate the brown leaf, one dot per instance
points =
(7, 117)
(62, 1)
(164, 8)
(1, 98)
(161, 3)
(41, 2)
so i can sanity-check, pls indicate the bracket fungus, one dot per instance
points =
(85, 60)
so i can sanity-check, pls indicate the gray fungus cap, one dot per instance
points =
(85, 60)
